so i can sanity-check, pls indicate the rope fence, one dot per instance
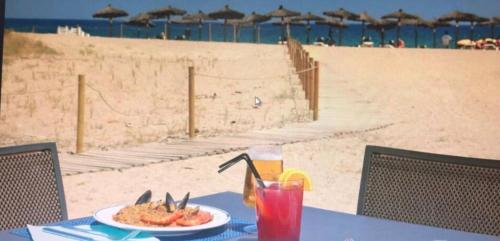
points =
(308, 70)
(305, 68)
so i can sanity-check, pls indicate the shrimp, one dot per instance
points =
(199, 218)
(162, 220)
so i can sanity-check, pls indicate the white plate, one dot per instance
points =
(220, 217)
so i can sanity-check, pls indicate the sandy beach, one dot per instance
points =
(442, 101)
(138, 90)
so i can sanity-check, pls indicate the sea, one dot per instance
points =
(269, 33)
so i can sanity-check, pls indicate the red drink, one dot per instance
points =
(279, 211)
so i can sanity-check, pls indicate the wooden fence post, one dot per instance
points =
(306, 73)
(80, 125)
(307, 80)
(312, 79)
(316, 90)
(191, 102)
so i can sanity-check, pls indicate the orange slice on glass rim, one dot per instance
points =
(291, 174)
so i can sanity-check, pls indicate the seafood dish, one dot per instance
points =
(166, 213)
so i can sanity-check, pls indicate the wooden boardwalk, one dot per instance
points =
(341, 115)
(123, 158)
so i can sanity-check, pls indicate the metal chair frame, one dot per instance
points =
(57, 170)
(421, 156)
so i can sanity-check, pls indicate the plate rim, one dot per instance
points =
(165, 230)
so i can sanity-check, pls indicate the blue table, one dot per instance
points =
(320, 224)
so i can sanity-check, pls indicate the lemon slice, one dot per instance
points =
(296, 174)
(286, 173)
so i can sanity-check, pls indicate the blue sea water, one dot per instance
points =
(269, 33)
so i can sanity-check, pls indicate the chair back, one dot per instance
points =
(431, 189)
(31, 190)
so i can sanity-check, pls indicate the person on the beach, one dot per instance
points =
(446, 39)
(401, 43)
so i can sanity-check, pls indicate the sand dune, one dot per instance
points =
(138, 90)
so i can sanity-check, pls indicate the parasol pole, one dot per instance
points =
(234, 32)
(362, 29)
(258, 33)
(434, 37)
(209, 32)
(200, 26)
(382, 35)
(471, 32)
(416, 36)
(224, 29)
(456, 34)
(341, 31)
(283, 28)
(255, 33)
(110, 27)
(308, 28)
(398, 32)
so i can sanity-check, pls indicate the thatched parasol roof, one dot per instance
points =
(332, 23)
(166, 12)
(364, 17)
(458, 16)
(384, 24)
(185, 21)
(309, 17)
(341, 14)
(256, 18)
(239, 22)
(282, 12)
(226, 13)
(400, 15)
(289, 21)
(199, 16)
(141, 20)
(110, 12)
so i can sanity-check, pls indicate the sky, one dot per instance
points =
(83, 9)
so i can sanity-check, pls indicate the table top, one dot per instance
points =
(320, 224)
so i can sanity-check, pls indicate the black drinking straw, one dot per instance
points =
(245, 157)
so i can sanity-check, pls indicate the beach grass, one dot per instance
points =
(17, 45)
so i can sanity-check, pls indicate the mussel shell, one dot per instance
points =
(144, 198)
(184, 202)
(170, 203)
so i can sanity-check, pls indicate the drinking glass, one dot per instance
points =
(279, 210)
(268, 160)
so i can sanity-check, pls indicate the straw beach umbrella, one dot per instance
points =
(226, 13)
(419, 22)
(142, 20)
(255, 19)
(198, 17)
(109, 12)
(331, 23)
(308, 17)
(283, 13)
(381, 26)
(364, 18)
(237, 24)
(458, 17)
(166, 12)
(188, 22)
(433, 25)
(399, 15)
(492, 22)
(341, 14)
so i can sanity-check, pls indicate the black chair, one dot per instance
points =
(31, 190)
(437, 190)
